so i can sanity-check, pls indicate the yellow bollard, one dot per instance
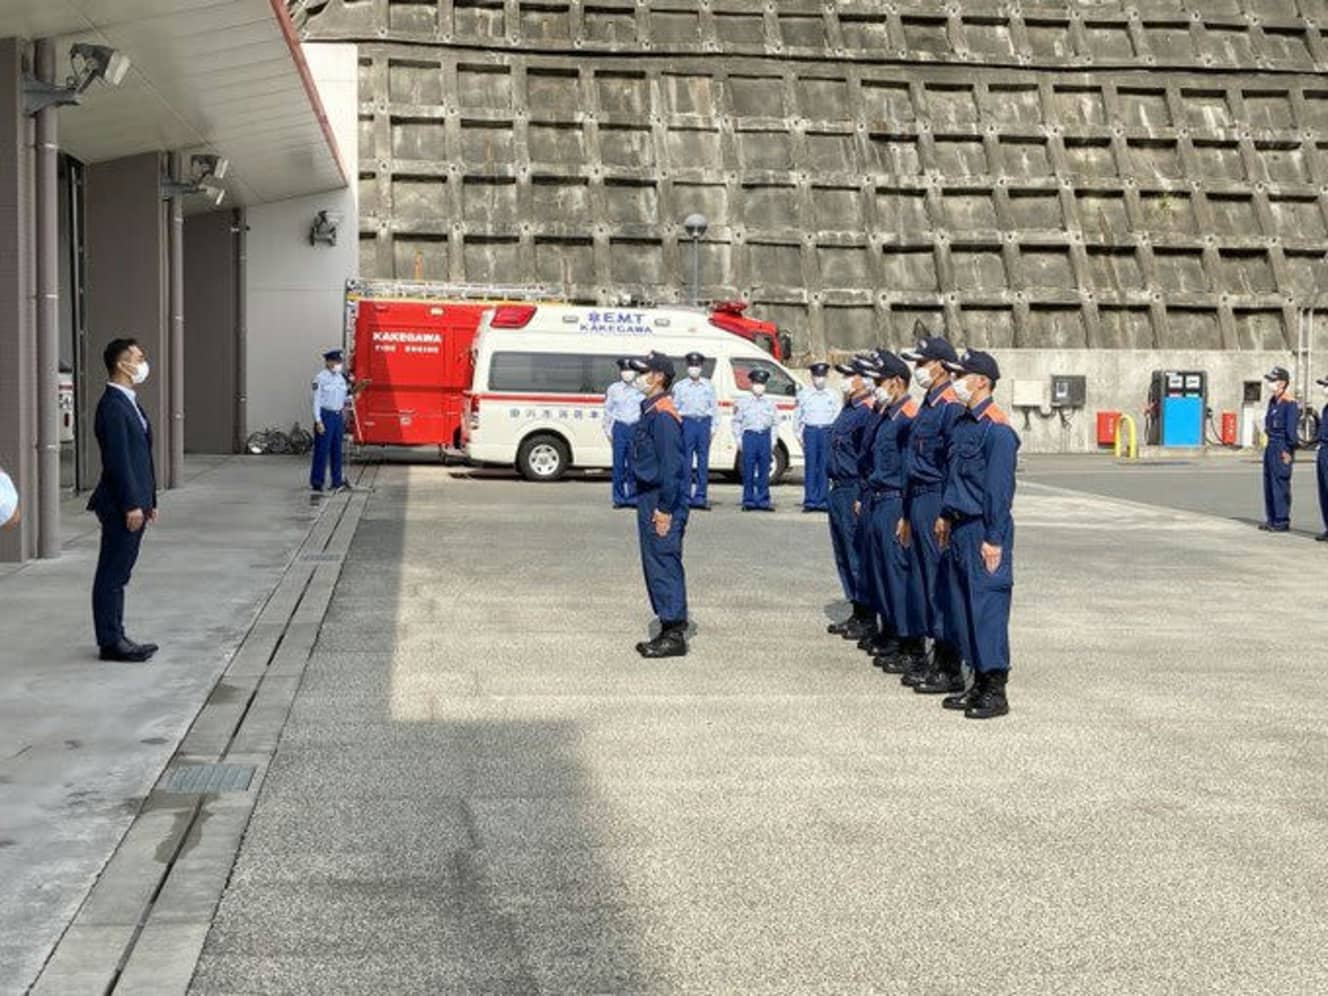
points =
(1133, 447)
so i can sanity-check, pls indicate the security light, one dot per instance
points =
(90, 63)
(205, 166)
(695, 225)
(324, 229)
(177, 188)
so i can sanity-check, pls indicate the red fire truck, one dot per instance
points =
(412, 341)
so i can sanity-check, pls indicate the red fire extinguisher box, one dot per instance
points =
(1106, 428)
(1228, 428)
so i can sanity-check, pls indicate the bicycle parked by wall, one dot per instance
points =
(297, 441)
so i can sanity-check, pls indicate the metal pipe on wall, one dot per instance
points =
(48, 324)
(240, 228)
(175, 472)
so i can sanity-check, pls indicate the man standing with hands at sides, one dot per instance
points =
(928, 452)
(661, 505)
(696, 403)
(844, 468)
(331, 388)
(622, 410)
(755, 429)
(976, 526)
(1279, 455)
(1321, 463)
(125, 499)
(818, 406)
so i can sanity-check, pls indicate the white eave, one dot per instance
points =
(220, 76)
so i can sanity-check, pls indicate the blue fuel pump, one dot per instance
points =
(1178, 402)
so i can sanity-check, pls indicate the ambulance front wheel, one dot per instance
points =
(543, 458)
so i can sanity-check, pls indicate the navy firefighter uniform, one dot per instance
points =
(872, 367)
(694, 397)
(622, 410)
(1321, 464)
(818, 407)
(979, 493)
(755, 429)
(1280, 426)
(928, 456)
(330, 391)
(661, 489)
(893, 576)
(844, 468)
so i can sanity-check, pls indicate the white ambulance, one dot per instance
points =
(541, 370)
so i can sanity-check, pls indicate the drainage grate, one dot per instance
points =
(210, 778)
(321, 558)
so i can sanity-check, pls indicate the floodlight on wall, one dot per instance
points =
(178, 188)
(696, 225)
(324, 229)
(207, 165)
(90, 63)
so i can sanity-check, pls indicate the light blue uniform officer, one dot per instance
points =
(978, 530)
(845, 471)
(695, 400)
(330, 391)
(622, 410)
(1321, 464)
(818, 407)
(1280, 425)
(755, 428)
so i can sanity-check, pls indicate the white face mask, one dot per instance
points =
(963, 390)
(758, 389)
(883, 395)
(628, 376)
(819, 383)
(694, 373)
(140, 373)
(337, 368)
(642, 384)
(923, 376)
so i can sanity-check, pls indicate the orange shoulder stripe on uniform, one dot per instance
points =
(996, 415)
(669, 408)
(909, 409)
(947, 395)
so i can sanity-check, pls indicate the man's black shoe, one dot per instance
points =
(918, 668)
(150, 648)
(126, 652)
(945, 674)
(883, 645)
(859, 628)
(671, 642)
(837, 628)
(1265, 527)
(969, 698)
(991, 702)
(1321, 538)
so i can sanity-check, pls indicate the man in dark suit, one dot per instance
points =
(125, 498)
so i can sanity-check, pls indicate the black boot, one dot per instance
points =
(862, 624)
(909, 652)
(837, 628)
(671, 642)
(991, 702)
(882, 645)
(967, 699)
(946, 675)
(918, 669)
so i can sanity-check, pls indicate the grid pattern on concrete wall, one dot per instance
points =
(861, 180)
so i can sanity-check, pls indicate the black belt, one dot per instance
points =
(887, 493)
(926, 489)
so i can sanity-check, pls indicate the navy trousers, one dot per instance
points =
(815, 482)
(756, 469)
(624, 481)
(893, 571)
(327, 448)
(931, 591)
(979, 599)
(115, 565)
(661, 562)
(844, 535)
(1321, 466)
(696, 448)
(1276, 486)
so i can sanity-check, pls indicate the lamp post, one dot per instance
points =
(695, 225)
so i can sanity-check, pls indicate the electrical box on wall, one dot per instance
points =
(1252, 392)
(1069, 390)
(1031, 394)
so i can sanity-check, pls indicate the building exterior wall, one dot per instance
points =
(126, 289)
(211, 345)
(18, 363)
(1076, 177)
(294, 291)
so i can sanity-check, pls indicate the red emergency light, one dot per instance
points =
(512, 316)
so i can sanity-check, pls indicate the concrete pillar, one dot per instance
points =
(126, 236)
(175, 281)
(17, 345)
(47, 235)
(212, 294)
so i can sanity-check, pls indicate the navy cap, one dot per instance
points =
(975, 361)
(653, 363)
(1277, 373)
(625, 363)
(853, 368)
(931, 347)
(819, 369)
(893, 366)
(694, 359)
(758, 375)
(332, 354)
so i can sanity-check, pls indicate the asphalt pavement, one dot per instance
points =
(482, 789)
